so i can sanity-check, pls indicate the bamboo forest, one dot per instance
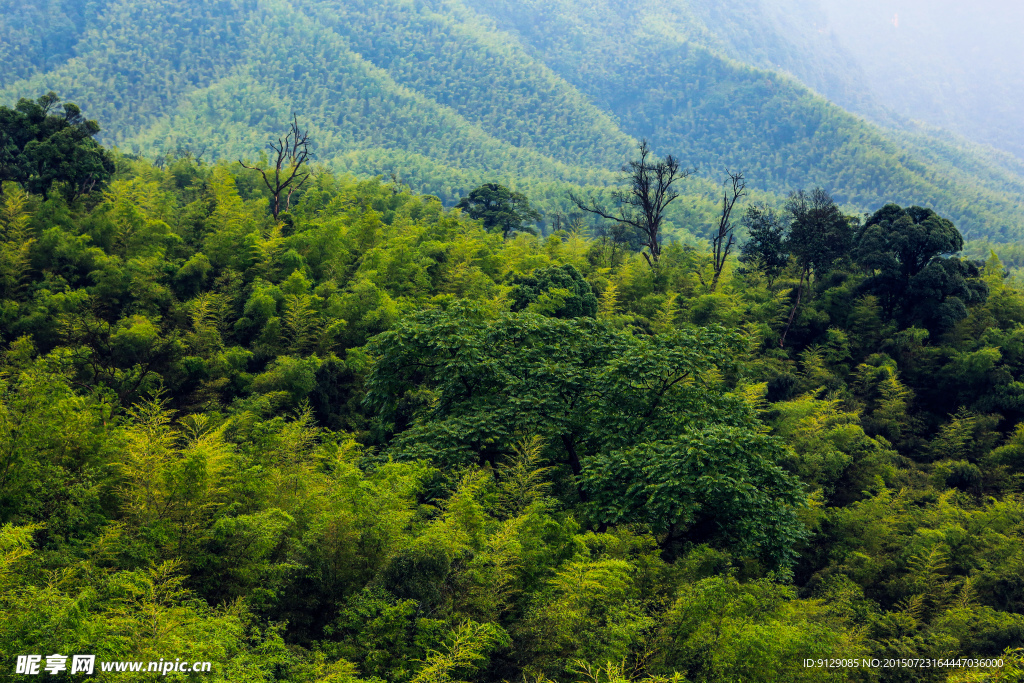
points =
(315, 373)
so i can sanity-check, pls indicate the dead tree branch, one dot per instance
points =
(286, 176)
(642, 205)
(724, 239)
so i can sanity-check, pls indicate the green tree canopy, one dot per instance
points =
(765, 249)
(820, 234)
(500, 209)
(905, 240)
(40, 147)
(640, 424)
(819, 237)
(713, 484)
(560, 291)
(902, 250)
(937, 297)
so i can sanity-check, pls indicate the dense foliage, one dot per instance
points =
(374, 440)
(40, 148)
(456, 93)
(500, 209)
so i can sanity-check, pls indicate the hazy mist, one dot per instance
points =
(949, 63)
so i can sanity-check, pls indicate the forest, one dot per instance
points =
(348, 434)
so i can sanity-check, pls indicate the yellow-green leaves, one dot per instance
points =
(171, 477)
(15, 241)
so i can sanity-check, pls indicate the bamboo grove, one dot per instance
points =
(373, 440)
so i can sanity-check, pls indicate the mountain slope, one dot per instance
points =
(661, 82)
(949, 63)
(944, 62)
(451, 93)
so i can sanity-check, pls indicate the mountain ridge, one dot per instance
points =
(458, 92)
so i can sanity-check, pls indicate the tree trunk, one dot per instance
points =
(792, 312)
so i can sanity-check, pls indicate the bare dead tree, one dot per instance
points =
(290, 154)
(642, 205)
(724, 239)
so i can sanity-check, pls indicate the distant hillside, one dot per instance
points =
(448, 94)
(945, 62)
(941, 62)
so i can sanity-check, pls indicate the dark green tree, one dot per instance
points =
(500, 209)
(819, 235)
(642, 430)
(903, 251)
(570, 295)
(714, 483)
(938, 297)
(897, 244)
(40, 147)
(765, 250)
(906, 240)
